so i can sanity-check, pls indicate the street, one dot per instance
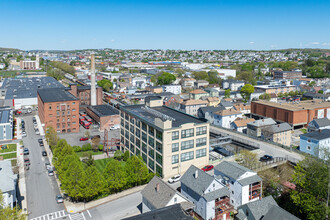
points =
(41, 189)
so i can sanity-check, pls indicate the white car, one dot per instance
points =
(115, 127)
(37, 131)
(174, 179)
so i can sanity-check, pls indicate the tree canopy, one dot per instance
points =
(105, 84)
(165, 78)
(246, 92)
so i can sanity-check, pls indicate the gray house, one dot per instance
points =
(318, 124)
(8, 182)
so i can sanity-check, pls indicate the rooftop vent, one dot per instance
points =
(157, 187)
(196, 174)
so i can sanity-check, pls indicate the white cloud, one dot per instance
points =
(315, 43)
(112, 40)
(251, 43)
(326, 44)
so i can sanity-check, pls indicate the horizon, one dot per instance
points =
(178, 25)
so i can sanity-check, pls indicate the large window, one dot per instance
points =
(144, 126)
(187, 144)
(151, 142)
(175, 135)
(144, 147)
(201, 130)
(159, 170)
(175, 147)
(137, 132)
(151, 131)
(200, 142)
(151, 164)
(144, 137)
(159, 135)
(187, 156)
(175, 159)
(151, 153)
(159, 147)
(201, 153)
(187, 133)
(159, 159)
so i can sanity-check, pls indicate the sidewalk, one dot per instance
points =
(18, 128)
(21, 181)
(41, 129)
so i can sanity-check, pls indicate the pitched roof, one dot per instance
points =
(56, 95)
(224, 191)
(194, 102)
(321, 122)
(198, 91)
(318, 135)
(7, 177)
(260, 207)
(161, 198)
(263, 122)
(173, 212)
(199, 184)
(213, 99)
(227, 112)
(277, 213)
(242, 122)
(279, 128)
(231, 169)
(249, 180)
(242, 106)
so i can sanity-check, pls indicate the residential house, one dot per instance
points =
(314, 142)
(224, 118)
(139, 82)
(213, 101)
(188, 83)
(243, 107)
(280, 133)
(318, 124)
(197, 94)
(8, 184)
(264, 209)
(240, 124)
(273, 97)
(255, 128)
(155, 89)
(175, 89)
(157, 194)
(208, 194)
(212, 92)
(233, 85)
(226, 104)
(191, 106)
(244, 184)
(207, 112)
(201, 84)
(6, 123)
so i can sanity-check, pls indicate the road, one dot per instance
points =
(267, 148)
(41, 189)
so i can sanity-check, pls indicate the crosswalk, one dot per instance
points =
(77, 216)
(52, 216)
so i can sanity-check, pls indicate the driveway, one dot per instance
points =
(41, 189)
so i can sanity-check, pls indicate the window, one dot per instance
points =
(73, 109)
(187, 156)
(144, 157)
(144, 126)
(175, 199)
(151, 131)
(73, 103)
(137, 132)
(74, 123)
(187, 144)
(58, 113)
(68, 112)
(200, 142)
(175, 135)
(144, 147)
(187, 133)
(159, 135)
(159, 147)
(151, 142)
(201, 153)
(159, 159)
(175, 159)
(159, 170)
(151, 164)
(201, 130)
(175, 147)
(308, 147)
(151, 152)
(50, 107)
(144, 137)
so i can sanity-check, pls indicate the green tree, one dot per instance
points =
(105, 84)
(96, 186)
(320, 91)
(201, 75)
(265, 96)
(246, 92)
(165, 78)
(51, 136)
(115, 176)
(10, 213)
(137, 171)
(247, 159)
(227, 93)
(118, 155)
(126, 155)
(213, 77)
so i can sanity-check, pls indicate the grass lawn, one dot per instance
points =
(102, 163)
(10, 148)
(303, 130)
(8, 156)
(13, 163)
(80, 154)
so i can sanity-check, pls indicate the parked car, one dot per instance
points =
(50, 172)
(40, 140)
(26, 151)
(115, 127)
(37, 131)
(83, 139)
(27, 161)
(174, 179)
(266, 158)
(208, 168)
(47, 165)
(24, 134)
(59, 199)
(44, 153)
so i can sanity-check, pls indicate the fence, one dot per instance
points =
(274, 161)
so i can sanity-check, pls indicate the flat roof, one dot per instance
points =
(296, 106)
(178, 118)
(27, 87)
(4, 116)
(103, 110)
(56, 95)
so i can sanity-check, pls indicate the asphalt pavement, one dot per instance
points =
(41, 189)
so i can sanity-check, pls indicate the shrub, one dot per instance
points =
(126, 155)
(76, 148)
(100, 147)
(86, 147)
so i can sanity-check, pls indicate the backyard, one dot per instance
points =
(7, 148)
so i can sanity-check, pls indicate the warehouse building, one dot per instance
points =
(105, 115)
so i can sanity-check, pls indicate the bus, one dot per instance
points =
(81, 118)
(85, 124)
(87, 118)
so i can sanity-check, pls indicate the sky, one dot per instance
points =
(168, 24)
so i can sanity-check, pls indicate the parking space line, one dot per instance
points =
(83, 215)
(89, 213)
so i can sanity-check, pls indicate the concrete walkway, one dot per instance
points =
(21, 180)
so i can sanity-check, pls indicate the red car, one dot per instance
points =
(83, 139)
(208, 168)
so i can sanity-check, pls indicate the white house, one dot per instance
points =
(139, 82)
(191, 106)
(244, 184)
(208, 194)
(233, 85)
(157, 194)
(224, 118)
(175, 89)
(225, 73)
(8, 182)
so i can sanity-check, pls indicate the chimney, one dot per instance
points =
(157, 187)
(196, 174)
(278, 125)
(93, 89)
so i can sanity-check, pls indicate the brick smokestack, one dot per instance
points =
(93, 89)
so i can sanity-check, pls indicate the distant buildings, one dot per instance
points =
(240, 124)
(169, 141)
(280, 74)
(30, 64)
(254, 128)
(197, 94)
(315, 142)
(59, 109)
(275, 88)
(83, 93)
(175, 89)
(188, 83)
(8, 184)
(233, 85)
(201, 84)
(280, 133)
(191, 106)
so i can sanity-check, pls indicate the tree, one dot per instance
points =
(126, 155)
(311, 84)
(105, 84)
(96, 186)
(10, 213)
(213, 77)
(118, 155)
(246, 92)
(115, 176)
(320, 91)
(137, 171)
(165, 78)
(95, 143)
(227, 93)
(201, 75)
(311, 177)
(265, 96)
(51, 136)
(247, 159)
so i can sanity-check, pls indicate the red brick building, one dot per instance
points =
(59, 109)
(296, 114)
(83, 93)
(106, 115)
